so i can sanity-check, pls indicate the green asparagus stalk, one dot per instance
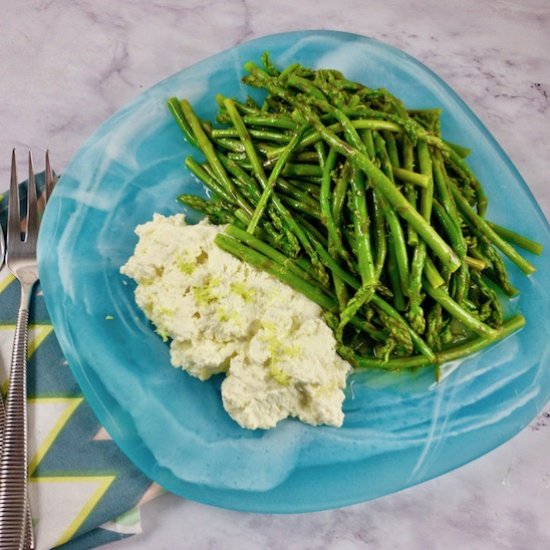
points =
(361, 224)
(483, 227)
(206, 147)
(451, 353)
(469, 320)
(283, 273)
(394, 225)
(175, 108)
(410, 191)
(515, 238)
(272, 180)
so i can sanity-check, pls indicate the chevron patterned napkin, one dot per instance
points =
(83, 491)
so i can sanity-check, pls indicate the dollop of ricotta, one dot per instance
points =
(222, 315)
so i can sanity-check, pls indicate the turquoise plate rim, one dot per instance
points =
(284, 498)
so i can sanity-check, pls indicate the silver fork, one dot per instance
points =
(15, 520)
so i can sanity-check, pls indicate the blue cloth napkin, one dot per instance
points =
(84, 492)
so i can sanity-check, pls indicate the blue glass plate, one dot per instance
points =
(399, 429)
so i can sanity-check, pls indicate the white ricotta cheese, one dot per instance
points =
(223, 315)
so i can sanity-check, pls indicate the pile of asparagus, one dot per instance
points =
(359, 203)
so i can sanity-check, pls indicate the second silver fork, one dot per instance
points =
(15, 531)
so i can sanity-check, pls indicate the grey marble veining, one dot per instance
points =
(66, 66)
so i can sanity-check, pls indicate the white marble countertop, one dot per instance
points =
(66, 66)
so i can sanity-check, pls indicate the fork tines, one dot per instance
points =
(30, 224)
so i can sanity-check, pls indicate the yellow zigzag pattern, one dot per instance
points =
(72, 404)
(6, 281)
(103, 483)
(37, 334)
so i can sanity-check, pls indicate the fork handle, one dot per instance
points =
(29, 532)
(13, 464)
